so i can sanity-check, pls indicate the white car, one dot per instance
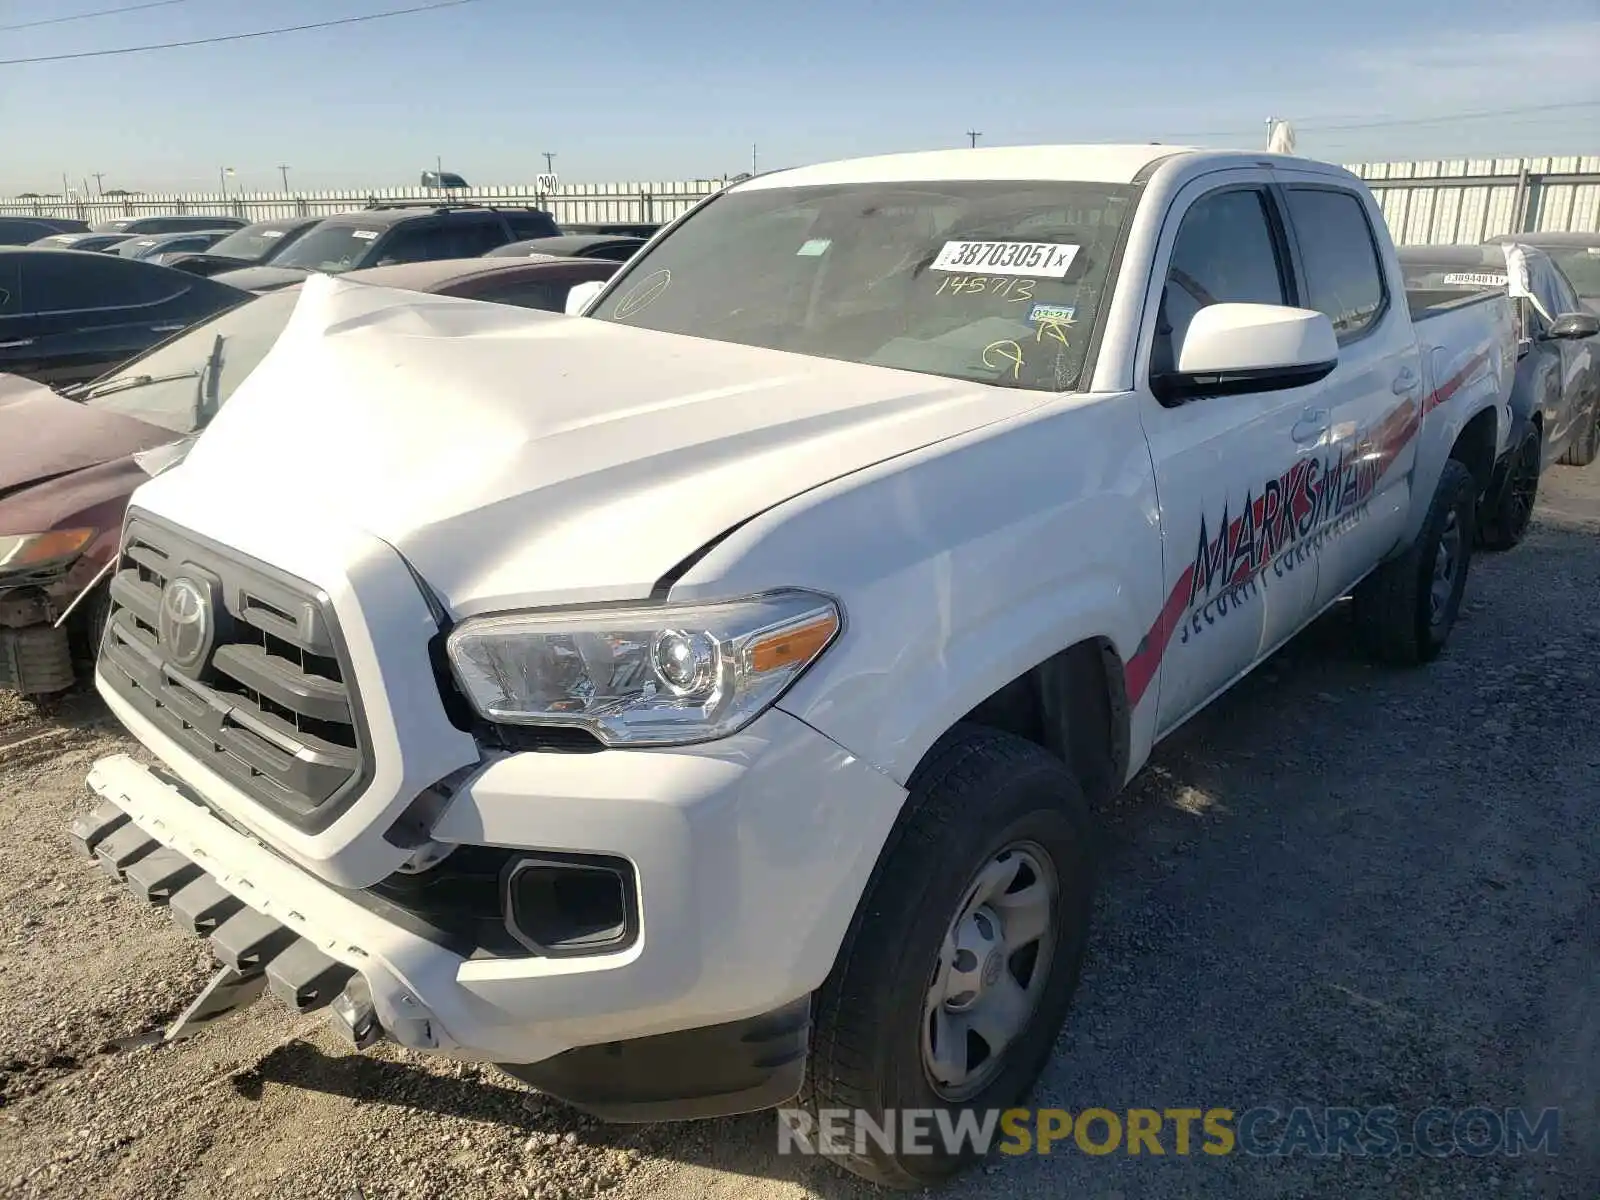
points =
(699, 703)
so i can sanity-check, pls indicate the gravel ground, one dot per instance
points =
(1340, 886)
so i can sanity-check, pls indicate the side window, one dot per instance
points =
(98, 282)
(412, 243)
(548, 297)
(10, 289)
(531, 225)
(471, 238)
(1225, 252)
(1344, 274)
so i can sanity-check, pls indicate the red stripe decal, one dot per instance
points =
(1392, 435)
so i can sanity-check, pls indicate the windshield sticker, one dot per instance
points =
(1014, 290)
(365, 235)
(814, 248)
(1054, 314)
(1048, 259)
(642, 294)
(1477, 278)
(998, 355)
(272, 233)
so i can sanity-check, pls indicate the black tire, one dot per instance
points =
(1394, 611)
(978, 793)
(1505, 514)
(1585, 444)
(87, 625)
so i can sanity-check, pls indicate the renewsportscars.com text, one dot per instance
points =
(1262, 1131)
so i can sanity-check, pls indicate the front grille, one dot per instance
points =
(267, 701)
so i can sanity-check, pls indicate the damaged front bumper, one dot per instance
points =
(276, 929)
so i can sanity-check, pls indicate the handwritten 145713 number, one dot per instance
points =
(1012, 289)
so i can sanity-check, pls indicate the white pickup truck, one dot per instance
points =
(700, 703)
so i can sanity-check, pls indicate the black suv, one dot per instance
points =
(393, 232)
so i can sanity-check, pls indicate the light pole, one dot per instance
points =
(283, 169)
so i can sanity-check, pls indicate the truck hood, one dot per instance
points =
(519, 457)
(44, 435)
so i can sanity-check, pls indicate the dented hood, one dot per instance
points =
(521, 457)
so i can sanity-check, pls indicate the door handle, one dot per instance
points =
(1313, 423)
(16, 344)
(1405, 382)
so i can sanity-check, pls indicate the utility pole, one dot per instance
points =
(99, 182)
(752, 158)
(549, 162)
(283, 169)
(974, 134)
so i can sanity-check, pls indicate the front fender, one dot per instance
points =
(960, 567)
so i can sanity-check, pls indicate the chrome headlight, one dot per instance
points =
(656, 675)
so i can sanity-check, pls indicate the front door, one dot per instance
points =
(1231, 471)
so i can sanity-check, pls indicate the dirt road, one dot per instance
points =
(1341, 886)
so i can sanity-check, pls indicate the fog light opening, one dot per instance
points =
(570, 906)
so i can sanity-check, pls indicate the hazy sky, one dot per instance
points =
(631, 89)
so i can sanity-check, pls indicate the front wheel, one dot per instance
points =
(1585, 444)
(962, 960)
(1404, 610)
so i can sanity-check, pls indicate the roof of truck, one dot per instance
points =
(1083, 163)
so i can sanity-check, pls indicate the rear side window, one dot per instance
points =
(413, 243)
(532, 225)
(1225, 253)
(471, 238)
(71, 282)
(1344, 273)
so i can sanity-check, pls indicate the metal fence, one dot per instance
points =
(571, 204)
(1466, 200)
(1448, 200)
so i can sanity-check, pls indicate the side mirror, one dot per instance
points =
(1233, 349)
(1575, 325)
(581, 294)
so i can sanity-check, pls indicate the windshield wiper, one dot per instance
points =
(112, 386)
(205, 399)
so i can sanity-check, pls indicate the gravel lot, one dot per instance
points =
(1340, 886)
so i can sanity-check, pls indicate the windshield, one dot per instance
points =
(994, 282)
(1582, 269)
(329, 248)
(162, 387)
(252, 242)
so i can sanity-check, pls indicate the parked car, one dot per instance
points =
(173, 224)
(645, 230)
(103, 242)
(1577, 254)
(392, 233)
(1555, 399)
(150, 247)
(68, 463)
(744, 660)
(248, 247)
(66, 315)
(23, 231)
(573, 245)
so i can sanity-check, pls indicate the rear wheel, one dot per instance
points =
(1585, 444)
(964, 955)
(1504, 517)
(1404, 610)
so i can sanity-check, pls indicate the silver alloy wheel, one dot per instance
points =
(1446, 558)
(991, 971)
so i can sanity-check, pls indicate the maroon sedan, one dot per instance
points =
(69, 461)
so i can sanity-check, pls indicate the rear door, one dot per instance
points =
(1230, 469)
(1374, 395)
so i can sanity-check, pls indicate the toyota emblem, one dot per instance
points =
(185, 624)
